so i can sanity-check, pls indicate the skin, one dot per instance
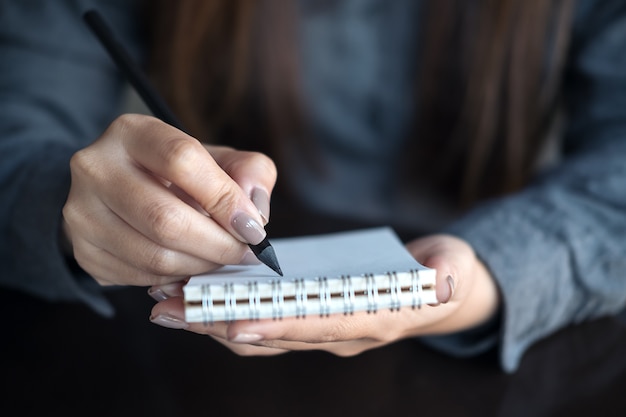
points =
(150, 206)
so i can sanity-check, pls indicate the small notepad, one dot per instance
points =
(360, 270)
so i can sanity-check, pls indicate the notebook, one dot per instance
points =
(345, 272)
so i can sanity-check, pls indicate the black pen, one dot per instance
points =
(264, 250)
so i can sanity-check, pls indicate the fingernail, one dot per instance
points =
(248, 228)
(448, 290)
(249, 259)
(246, 338)
(261, 200)
(157, 294)
(163, 292)
(169, 321)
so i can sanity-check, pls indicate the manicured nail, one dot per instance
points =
(448, 290)
(246, 338)
(249, 259)
(169, 321)
(157, 294)
(261, 200)
(163, 292)
(248, 228)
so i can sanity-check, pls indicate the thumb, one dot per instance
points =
(452, 258)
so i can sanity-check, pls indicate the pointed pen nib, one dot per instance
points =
(265, 253)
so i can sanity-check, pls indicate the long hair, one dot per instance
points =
(487, 86)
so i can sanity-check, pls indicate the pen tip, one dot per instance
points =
(265, 253)
(268, 257)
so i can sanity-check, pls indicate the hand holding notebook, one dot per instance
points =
(345, 327)
(363, 270)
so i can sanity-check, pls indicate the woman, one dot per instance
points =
(491, 135)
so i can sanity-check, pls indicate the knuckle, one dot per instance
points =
(88, 169)
(168, 223)
(159, 261)
(124, 121)
(181, 154)
(223, 200)
(70, 212)
(263, 161)
(78, 218)
(260, 161)
(231, 254)
(128, 121)
(82, 164)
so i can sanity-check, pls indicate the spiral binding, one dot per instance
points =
(372, 293)
(254, 301)
(348, 295)
(416, 290)
(395, 290)
(278, 300)
(207, 305)
(230, 303)
(324, 296)
(301, 297)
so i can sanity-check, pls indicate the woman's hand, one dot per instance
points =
(151, 205)
(465, 289)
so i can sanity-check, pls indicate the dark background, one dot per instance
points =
(63, 359)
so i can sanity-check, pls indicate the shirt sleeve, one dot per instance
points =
(58, 91)
(557, 250)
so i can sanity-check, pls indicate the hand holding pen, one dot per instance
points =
(151, 205)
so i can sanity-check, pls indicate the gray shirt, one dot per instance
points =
(557, 249)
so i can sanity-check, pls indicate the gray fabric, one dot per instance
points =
(358, 65)
(58, 91)
(557, 250)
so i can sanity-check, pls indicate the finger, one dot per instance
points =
(156, 212)
(342, 348)
(250, 350)
(107, 269)
(182, 160)
(383, 326)
(314, 329)
(343, 335)
(170, 312)
(450, 257)
(249, 344)
(254, 172)
(338, 334)
(103, 231)
(165, 291)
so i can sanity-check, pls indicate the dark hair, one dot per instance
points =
(488, 82)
